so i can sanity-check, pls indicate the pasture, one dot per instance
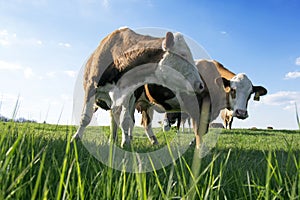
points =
(38, 162)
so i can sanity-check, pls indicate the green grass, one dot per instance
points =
(38, 162)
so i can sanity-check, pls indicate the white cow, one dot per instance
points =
(123, 62)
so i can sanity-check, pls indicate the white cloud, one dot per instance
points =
(4, 65)
(7, 38)
(297, 62)
(286, 99)
(51, 74)
(66, 97)
(292, 75)
(39, 42)
(62, 44)
(223, 32)
(28, 73)
(71, 73)
(10, 66)
(105, 3)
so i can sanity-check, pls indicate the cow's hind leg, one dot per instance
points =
(127, 120)
(113, 127)
(147, 117)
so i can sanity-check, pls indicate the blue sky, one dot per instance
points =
(44, 43)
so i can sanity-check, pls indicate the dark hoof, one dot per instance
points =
(154, 140)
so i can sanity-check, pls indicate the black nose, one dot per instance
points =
(200, 87)
(241, 114)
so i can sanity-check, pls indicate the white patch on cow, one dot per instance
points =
(179, 57)
(242, 87)
(123, 27)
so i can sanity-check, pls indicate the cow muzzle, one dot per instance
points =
(241, 114)
(199, 87)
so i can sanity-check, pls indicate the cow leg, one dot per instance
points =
(166, 123)
(230, 122)
(147, 117)
(182, 128)
(189, 123)
(86, 117)
(178, 123)
(203, 122)
(126, 120)
(225, 124)
(113, 127)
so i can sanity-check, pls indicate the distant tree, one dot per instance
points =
(3, 119)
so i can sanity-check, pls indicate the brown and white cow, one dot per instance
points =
(238, 89)
(123, 62)
(227, 117)
(162, 99)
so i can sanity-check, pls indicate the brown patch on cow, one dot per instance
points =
(169, 42)
(224, 72)
(117, 53)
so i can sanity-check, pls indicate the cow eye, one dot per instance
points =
(233, 93)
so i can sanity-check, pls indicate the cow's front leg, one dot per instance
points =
(203, 121)
(86, 117)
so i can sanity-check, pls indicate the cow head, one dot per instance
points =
(179, 57)
(239, 90)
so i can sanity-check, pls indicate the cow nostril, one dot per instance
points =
(242, 114)
(199, 86)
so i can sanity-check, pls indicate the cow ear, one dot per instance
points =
(219, 81)
(259, 91)
(169, 41)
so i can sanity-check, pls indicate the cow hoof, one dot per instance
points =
(166, 128)
(193, 142)
(154, 140)
(125, 143)
(112, 140)
(75, 137)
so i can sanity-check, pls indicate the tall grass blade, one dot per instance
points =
(297, 116)
(16, 108)
(60, 114)
(38, 180)
(64, 168)
(79, 182)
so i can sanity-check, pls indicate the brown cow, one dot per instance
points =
(238, 91)
(123, 62)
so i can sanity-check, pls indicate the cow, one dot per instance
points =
(179, 117)
(123, 62)
(216, 125)
(227, 117)
(162, 99)
(238, 88)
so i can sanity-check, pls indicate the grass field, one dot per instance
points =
(38, 162)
